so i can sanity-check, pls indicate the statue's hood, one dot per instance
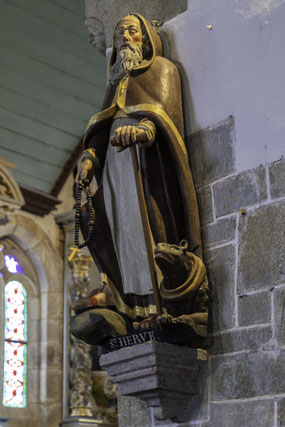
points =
(154, 41)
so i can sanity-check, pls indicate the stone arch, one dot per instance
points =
(46, 297)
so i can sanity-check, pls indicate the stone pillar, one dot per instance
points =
(80, 358)
(78, 396)
(66, 223)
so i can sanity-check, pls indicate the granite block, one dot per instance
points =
(221, 232)
(133, 412)
(243, 339)
(248, 375)
(277, 178)
(242, 414)
(198, 406)
(165, 376)
(261, 248)
(204, 197)
(212, 152)
(220, 265)
(281, 412)
(279, 314)
(240, 191)
(254, 309)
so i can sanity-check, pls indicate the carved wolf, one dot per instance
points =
(184, 289)
(184, 292)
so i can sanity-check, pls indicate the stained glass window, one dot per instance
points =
(13, 265)
(15, 351)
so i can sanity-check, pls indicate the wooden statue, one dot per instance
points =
(145, 205)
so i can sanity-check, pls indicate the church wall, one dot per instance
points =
(243, 235)
(230, 57)
(44, 359)
(242, 216)
(234, 99)
(42, 241)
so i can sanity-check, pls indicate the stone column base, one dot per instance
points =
(83, 422)
(165, 376)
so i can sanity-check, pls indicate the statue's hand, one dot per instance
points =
(155, 322)
(128, 135)
(85, 171)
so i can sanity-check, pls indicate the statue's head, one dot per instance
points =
(128, 33)
(135, 45)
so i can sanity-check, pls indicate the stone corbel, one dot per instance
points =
(165, 376)
(102, 16)
(96, 34)
(11, 197)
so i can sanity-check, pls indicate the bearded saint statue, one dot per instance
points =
(142, 106)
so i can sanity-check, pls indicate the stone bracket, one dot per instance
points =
(165, 376)
(103, 15)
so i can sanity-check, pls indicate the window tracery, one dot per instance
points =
(16, 272)
(15, 347)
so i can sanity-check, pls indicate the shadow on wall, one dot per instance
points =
(212, 157)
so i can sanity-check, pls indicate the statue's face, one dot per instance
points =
(128, 33)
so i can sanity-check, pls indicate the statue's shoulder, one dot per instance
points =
(165, 66)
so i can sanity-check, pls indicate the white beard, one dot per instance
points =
(126, 60)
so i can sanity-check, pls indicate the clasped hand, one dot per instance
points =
(125, 136)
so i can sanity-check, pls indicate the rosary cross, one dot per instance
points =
(74, 251)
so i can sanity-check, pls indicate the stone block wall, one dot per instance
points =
(243, 229)
(223, 56)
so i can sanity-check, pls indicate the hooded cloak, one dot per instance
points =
(151, 91)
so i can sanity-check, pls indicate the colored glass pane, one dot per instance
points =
(15, 351)
(13, 265)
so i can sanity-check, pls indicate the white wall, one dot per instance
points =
(236, 68)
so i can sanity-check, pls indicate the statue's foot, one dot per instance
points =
(89, 301)
(95, 325)
(155, 322)
(99, 297)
